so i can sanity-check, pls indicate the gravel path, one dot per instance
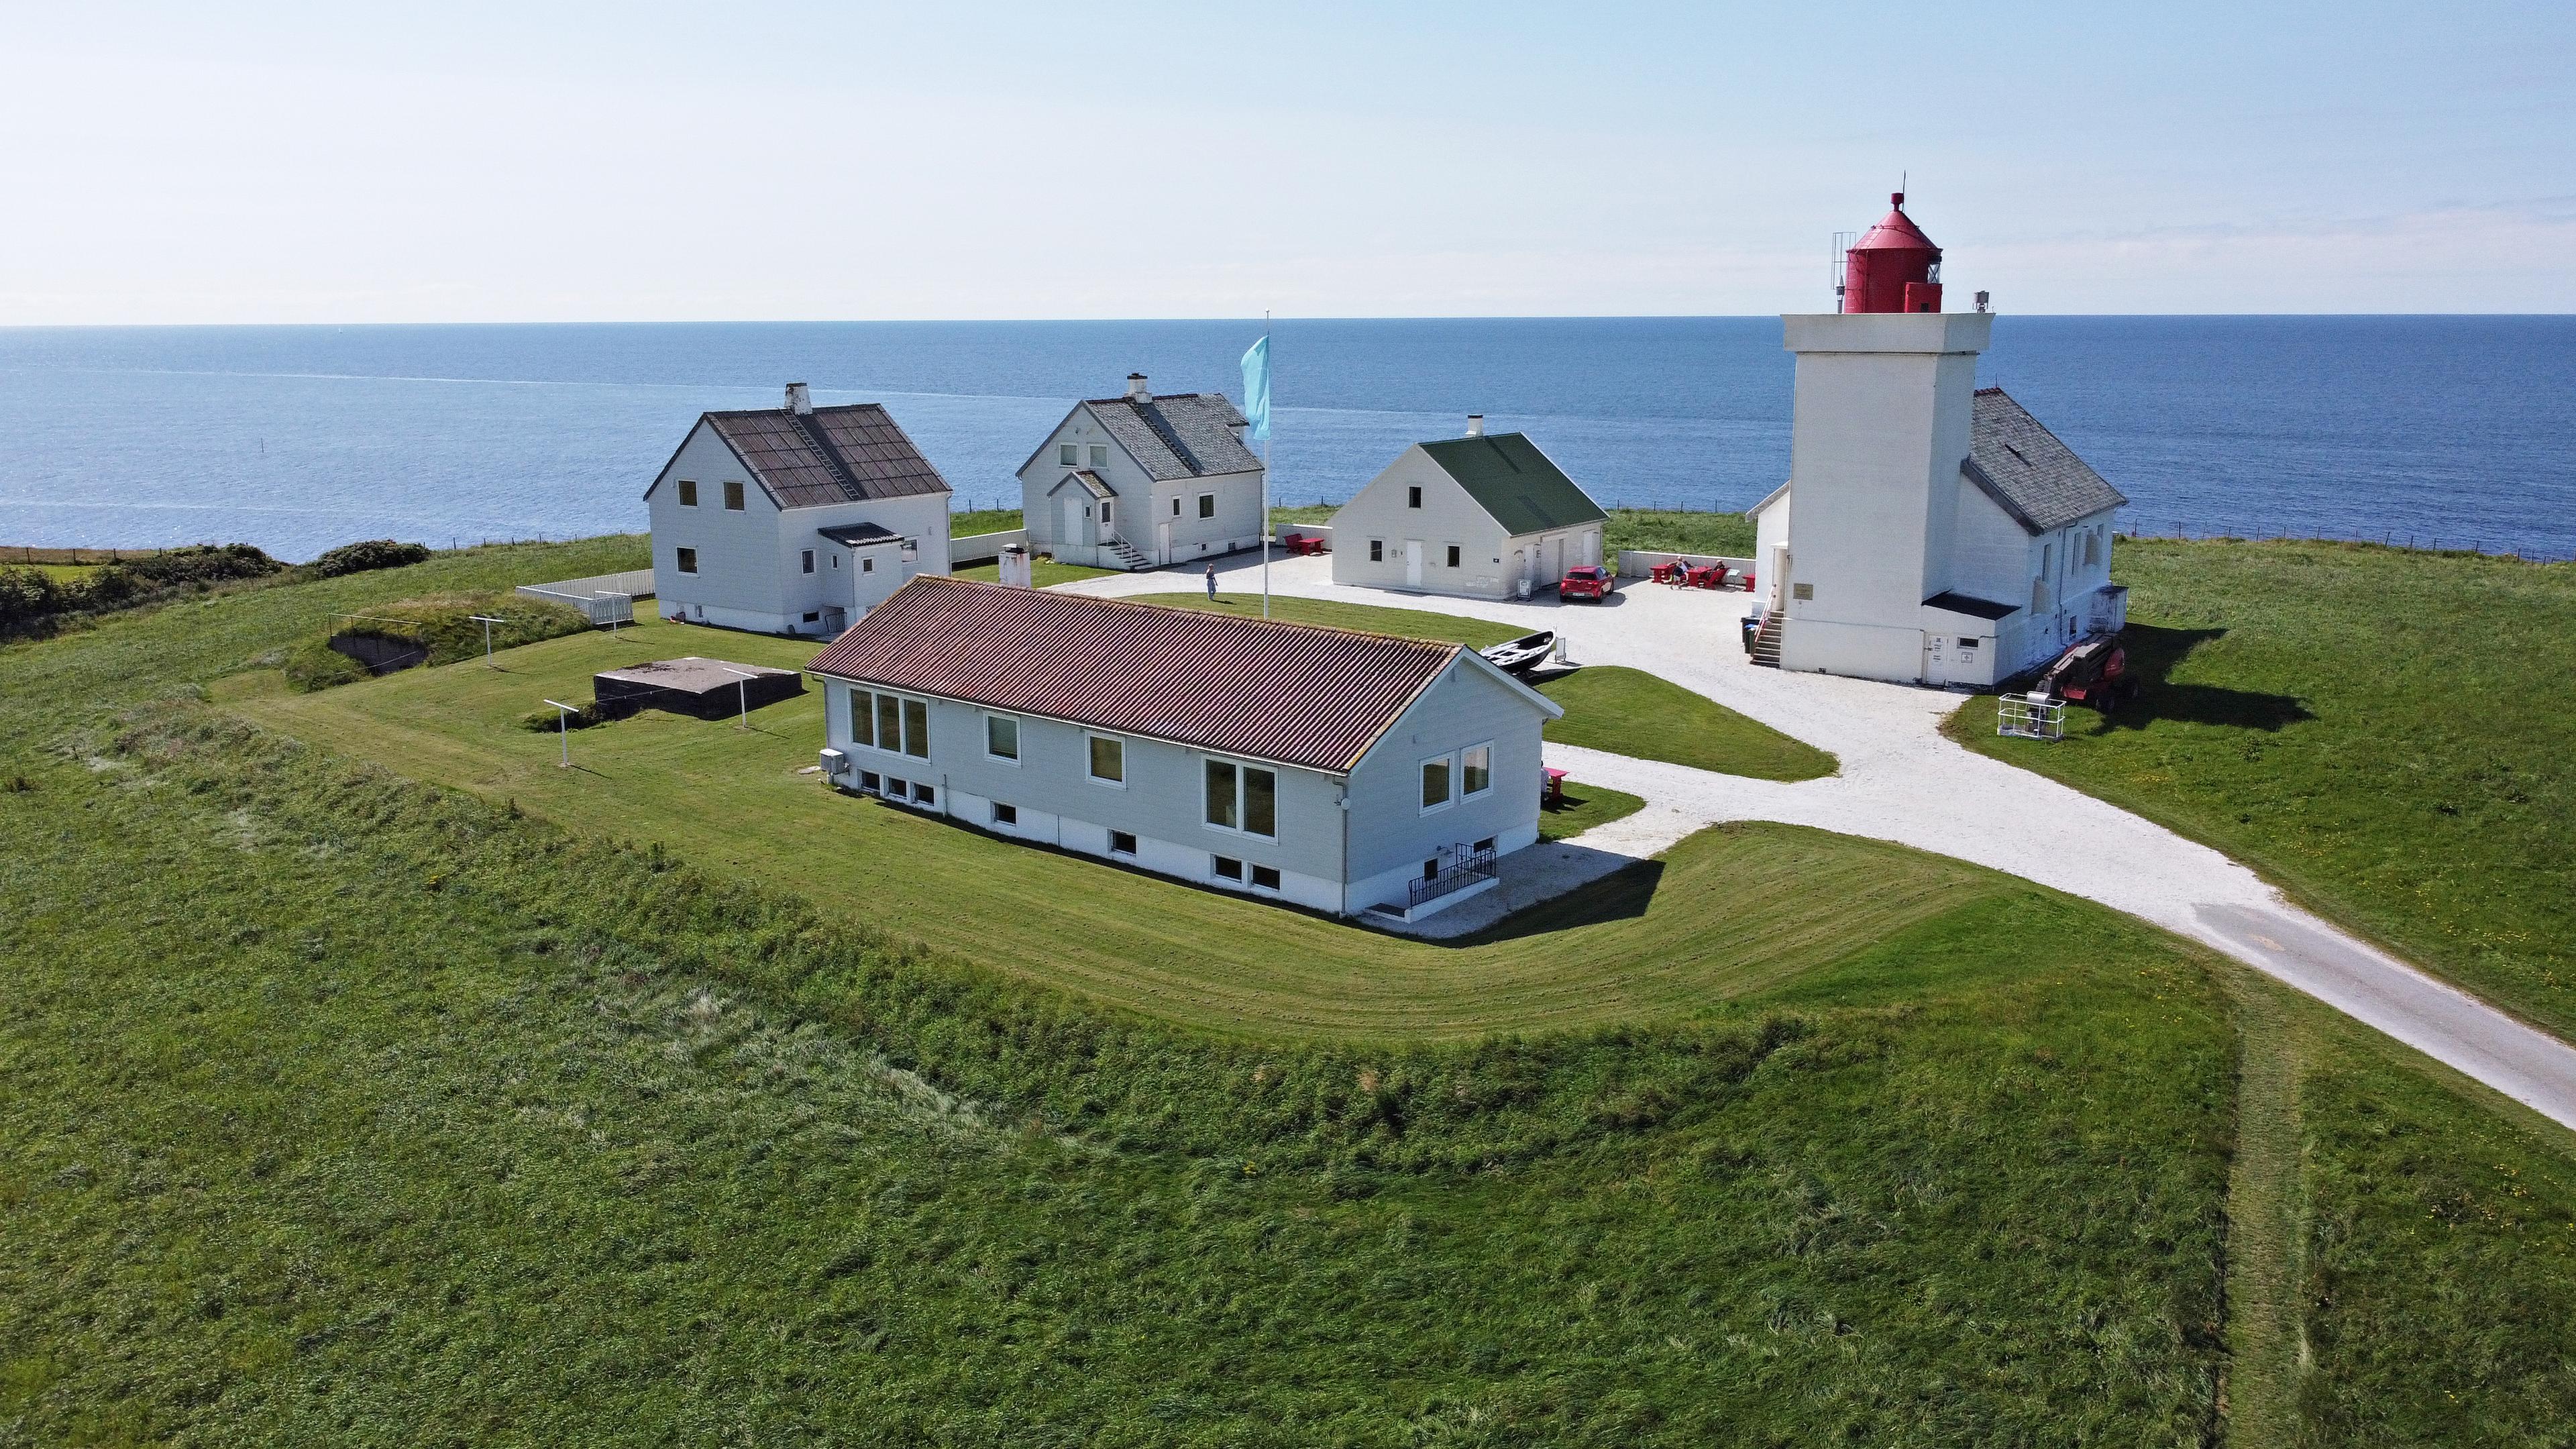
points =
(1902, 781)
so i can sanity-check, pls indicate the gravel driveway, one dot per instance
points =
(1902, 781)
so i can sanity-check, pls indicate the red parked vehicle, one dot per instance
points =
(1586, 581)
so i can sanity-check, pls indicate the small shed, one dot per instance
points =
(1487, 516)
(706, 688)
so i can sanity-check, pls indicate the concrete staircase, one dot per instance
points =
(1766, 640)
(1127, 555)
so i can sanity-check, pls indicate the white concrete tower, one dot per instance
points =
(1884, 403)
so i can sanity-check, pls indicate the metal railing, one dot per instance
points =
(2030, 717)
(1477, 866)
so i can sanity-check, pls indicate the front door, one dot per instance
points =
(1162, 543)
(1779, 578)
(1936, 659)
(1413, 563)
(1072, 521)
(1556, 558)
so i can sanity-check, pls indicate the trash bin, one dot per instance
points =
(1752, 625)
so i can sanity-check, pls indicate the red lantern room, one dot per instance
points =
(1895, 267)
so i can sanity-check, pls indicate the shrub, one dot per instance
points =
(32, 601)
(373, 553)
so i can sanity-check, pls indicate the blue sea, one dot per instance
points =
(2449, 430)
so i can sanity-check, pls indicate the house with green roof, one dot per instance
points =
(1487, 516)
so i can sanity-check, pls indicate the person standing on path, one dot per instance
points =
(1211, 582)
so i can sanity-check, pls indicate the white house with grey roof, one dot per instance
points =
(1340, 771)
(795, 519)
(1487, 516)
(1141, 480)
(1931, 531)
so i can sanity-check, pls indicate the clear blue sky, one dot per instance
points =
(478, 162)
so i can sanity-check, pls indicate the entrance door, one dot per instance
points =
(1779, 578)
(1936, 659)
(1413, 563)
(1556, 557)
(1073, 521)
(1162, 543)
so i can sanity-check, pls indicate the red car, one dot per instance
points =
(1586, 581)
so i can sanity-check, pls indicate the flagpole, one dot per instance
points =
(1265, 473)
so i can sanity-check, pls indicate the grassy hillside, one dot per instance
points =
(2383, 733)
(338, 1105)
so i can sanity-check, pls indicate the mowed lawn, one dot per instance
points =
(1607, 706)
(1726, 912)
(2384, 734)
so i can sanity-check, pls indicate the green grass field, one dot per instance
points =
(1607, 707)
(1583, 807)
(2383, 734)
(1046, 573)
(344, 1108)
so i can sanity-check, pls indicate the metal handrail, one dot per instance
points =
(1478, 866)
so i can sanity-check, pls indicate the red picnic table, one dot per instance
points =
(1552, 789)
(1304, 543)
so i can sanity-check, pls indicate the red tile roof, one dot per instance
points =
(1299, 694)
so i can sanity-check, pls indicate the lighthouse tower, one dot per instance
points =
(1884, 394)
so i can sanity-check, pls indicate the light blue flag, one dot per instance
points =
(1256, 387)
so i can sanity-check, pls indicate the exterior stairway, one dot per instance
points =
(1766, 641)
(1127, 555)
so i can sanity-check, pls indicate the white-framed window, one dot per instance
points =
(1099, 455)
(1002, 737)
(1265, 877)
(1438, 774)
(1108, 507)
(1241, 798)
(1107, 760)
(1207, 505)
(1475, 770)
(688, 493)
(1122, 842)
(1005, 814)
(687, 559)
(1226, 867)
(895, 724)
(733, 497)
(1068, 455)
(809, 560)
(867, 565)
(1377, 550)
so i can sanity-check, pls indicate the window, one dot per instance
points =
(896, 789)
(809, 560)
(1100, 455)
(836, 560)
(1207, 505)
(733, 497)
(863, 719)
(1484, 845)
(868, 780)
(889, 723)
(1435, 783)
(1413, 497)
(1377, 550)
(1176, 508)
(1266, 877)
(813, 617)
(925, 794)
(1005, 814)
(1242, 797)
(1476, 767)
(1453, 555)
(1002, 736)
(1227, 867)
(867, 565)
(916, 728)
(1121, 843)
(1967, 643)
(2093, 546)
(1107, 507)
(1431, 870)
(1108, 760)
(688, 493)
(1068, 455)
(688, 560)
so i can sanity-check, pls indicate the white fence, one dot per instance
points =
(983, 548)
(601, 598)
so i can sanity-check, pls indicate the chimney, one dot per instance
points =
(1137, 391)
(799, 400)
(1475, 425)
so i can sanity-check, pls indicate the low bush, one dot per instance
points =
(373, 553)
(35, 602)
(441, 624)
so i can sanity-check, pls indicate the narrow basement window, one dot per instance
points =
(1266, 877)
(1121, 843)
(1228, 868)
(1005, 814)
